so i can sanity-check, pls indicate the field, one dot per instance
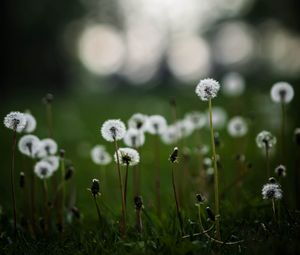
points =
(247, 222)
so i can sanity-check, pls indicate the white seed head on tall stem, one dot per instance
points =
(271, 191)
(170, 135)
(138, 121)
(127, 156)
(185, 127)
(53, 161)
(233, 84)
(265, 139)
(198, 119)
(282, 92)
(207, 89)
(30, 123)
(134, 138)
(47, 147)
(100, 156)
(43, 170)
(156, 124)
(29, 145)
(237, 127)
(15, 121)
(112, 130)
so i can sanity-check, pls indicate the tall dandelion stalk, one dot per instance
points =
(207, 89)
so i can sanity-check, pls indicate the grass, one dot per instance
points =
(76, 127)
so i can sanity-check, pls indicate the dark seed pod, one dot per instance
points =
(42, 223)
(22, 180)
(200, 198)
(240, 157)
(48, 99)
(297, 136)
(95, 188)
(138, 201)
(75, 212)
(217, 139)
(62, 153)
(210, 214)
(69, 173)
(174, 156)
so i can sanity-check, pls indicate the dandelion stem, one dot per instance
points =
(176, 202)
(216, 175)
(126, 182)
(12, 179)
(49, 119)
(45, 187)
(283, 122)
(267, 160)
(98, 209)
(123, 221)
(62, 167)
(32, 197)
(274, 209)
(157, 174)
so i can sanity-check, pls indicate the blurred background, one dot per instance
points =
(110, 59)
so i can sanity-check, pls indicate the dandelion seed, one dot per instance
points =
(233, 84)
(134, 138)
(43, 169)
(265, 139)
(170, 135)
(156, 124)
(198, 119)
(100, 156)
(47, 147)
(30, 123)
(237, 127)
(271, 191)
(282, 92)
(138, 121)
(207, 89)
(280, 171)
(53, 161)
(113, 130)
(219, 117)
(29, 145)
(127, 156)
(15, 121)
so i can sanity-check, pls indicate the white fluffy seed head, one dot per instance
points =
(53, 161)
(134, 138)
(47, 147)
(113, 130)
(265, 139)
(271, 191)
(197, 118)
(29, 145)
(156, 124)
(30, 123)
(138, 121)
(15, 121)
(185, 127)
(282, 92)
(43, 169)
(233, 84)
(237, 127)
(127, 156)
(219, 118)
(170, 135)
(100, 156)
(207, 89)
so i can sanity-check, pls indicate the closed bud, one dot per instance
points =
(62, 153)
(297, 136)
(210, 214)
(95, 188)
(138, 201)
(22, 180)
(48, 99)
(200, 198)
(69, 172)
(174, 156)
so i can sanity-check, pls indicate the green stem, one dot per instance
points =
(283, 121)
(46, 205)
(268, 160)
(125, 188)
(274, 210)
(62, 165)
(157, 175)
(123, 221)
(49, 119)
(216, 174)
(12, 180)
(98, 209)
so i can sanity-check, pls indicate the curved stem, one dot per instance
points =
(216, 174)
(12, 181)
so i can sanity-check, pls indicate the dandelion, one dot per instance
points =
(138, 121)
(29, 145)
(272, 191)
(46, 148)
(156, 124)
(266, 140)
(30, 123)
(15, 121)
(283, 93)
(185, 127)
(233, 84)
(134, 138)
(219, 117)
(138, 202)
(100, 156)
(207, 89)
(237, 127)
(198, 119)
(43, 170)
(170, 135)
(127, 157)
(280, 171)
(95, 190)
(113, 130)
(53, 161)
